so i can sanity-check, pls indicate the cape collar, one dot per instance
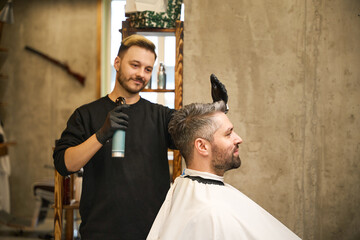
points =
(203, 177)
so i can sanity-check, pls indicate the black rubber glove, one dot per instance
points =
(116, 119)
(218, 91)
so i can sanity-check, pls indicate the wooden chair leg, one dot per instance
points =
(58, 206)
(69, 225)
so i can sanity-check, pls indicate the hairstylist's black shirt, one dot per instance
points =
(120, 196)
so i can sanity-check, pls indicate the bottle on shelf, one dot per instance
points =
(148, 85)
(161, 81)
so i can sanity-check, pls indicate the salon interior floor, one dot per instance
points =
(42, 231)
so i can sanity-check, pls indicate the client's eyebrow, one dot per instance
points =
(230, 129)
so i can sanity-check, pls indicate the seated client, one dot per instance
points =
(199, 205)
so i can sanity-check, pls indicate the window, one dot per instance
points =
(114, 14)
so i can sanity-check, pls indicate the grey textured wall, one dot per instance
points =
(292, 72)
(38, 96)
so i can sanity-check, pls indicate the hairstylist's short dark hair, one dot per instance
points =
(194, 121)
(136, 40)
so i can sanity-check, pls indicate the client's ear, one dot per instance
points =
(202, 146)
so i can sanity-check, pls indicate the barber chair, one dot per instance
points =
(44, 195)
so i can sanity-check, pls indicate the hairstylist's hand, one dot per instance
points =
(218, 90)
(115, 120)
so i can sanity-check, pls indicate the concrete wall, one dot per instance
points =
(291, 70)
(38, 96)
(292, 73)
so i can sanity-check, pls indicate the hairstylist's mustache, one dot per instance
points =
(140, 79)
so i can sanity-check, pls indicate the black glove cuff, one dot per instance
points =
(100, 137)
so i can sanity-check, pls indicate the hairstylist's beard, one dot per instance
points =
(123, 81)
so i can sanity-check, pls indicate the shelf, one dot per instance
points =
(5, 144)
(178, 31)
(150, 31)
(4, 148)
(71, 206)
(127, 30)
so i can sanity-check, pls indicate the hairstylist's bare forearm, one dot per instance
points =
(76, 157)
